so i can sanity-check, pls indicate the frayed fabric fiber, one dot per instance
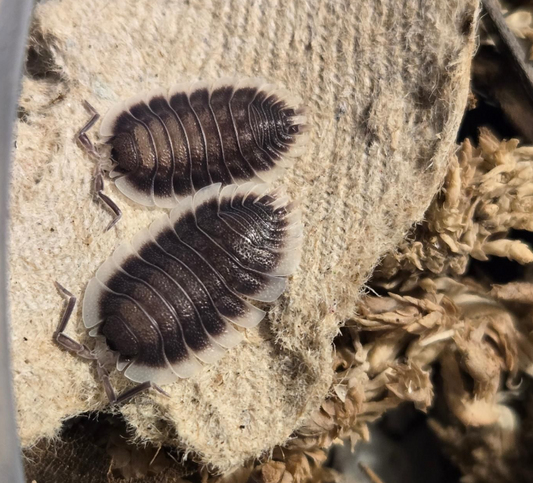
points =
(385, 83)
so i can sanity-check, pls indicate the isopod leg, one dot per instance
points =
(99, 189)
(87, 144)
(82, 350)
(112, 395)
(63, 339)
(82, 137)
(138, 389)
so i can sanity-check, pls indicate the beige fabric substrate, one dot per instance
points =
(386, 83)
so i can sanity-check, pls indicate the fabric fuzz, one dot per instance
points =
(386, 84)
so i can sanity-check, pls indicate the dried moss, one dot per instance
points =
(488, 192)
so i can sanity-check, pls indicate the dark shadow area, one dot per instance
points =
(485, 115)
(40, 64)
(402, 449)
(96, 448)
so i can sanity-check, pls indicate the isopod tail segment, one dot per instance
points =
(81, 350)
(98, 175)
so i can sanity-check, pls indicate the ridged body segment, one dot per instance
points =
(169, 144)
(171, 297)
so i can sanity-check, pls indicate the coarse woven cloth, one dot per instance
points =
(386, 84)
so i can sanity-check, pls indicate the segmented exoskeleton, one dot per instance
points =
(167, 144)
(171, 299)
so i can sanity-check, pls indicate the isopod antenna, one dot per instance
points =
(14, 21)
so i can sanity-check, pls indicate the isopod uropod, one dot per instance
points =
(173, 297)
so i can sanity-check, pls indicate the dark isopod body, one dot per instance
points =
(169, 300)
(169, 144)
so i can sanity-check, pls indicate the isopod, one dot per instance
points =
(173, 298)
(168, 144)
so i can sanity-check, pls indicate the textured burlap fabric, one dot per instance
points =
(386, 84)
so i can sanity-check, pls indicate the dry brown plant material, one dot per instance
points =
(488, 191)
(498, 453)
(454, 323)
(295, 465)
(479, 336)
(519, 19)
(370, 473)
